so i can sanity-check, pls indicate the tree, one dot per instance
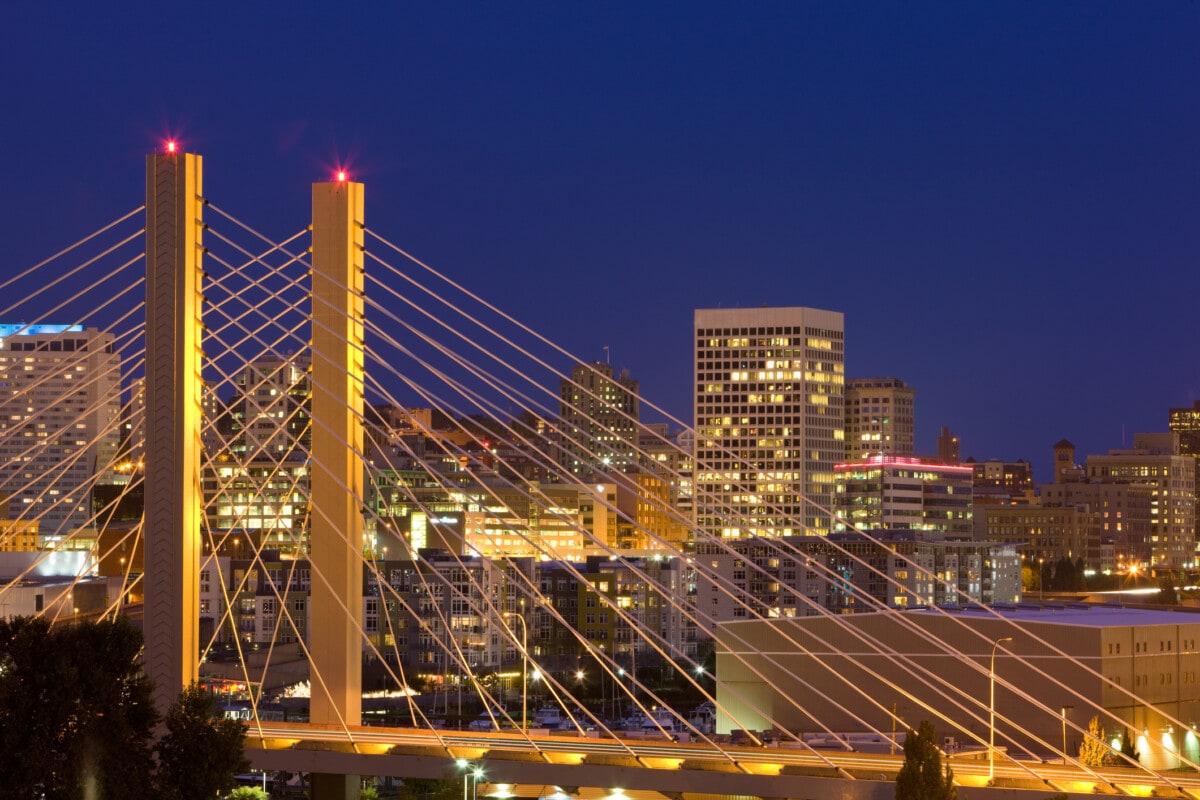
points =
(247, 793)
(1128, 750)
(199, 755)
(77, 710)
(1093, 750)
(921, 777)
(430, 789)
(1167, 595)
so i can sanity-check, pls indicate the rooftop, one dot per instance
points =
(1098, 615)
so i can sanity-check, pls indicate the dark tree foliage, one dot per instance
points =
(199, 755)
(1168, 594)
(921, 777)
(76, 709)
(1068, 576)
(431, 789)
(1128, 750)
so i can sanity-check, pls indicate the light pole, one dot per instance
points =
(1065, 709)
(524, 668)
(992, 711)
(473, 773)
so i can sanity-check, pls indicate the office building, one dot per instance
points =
(770, 420)
(599, 414)
(257, 477)
(1186, 422)
(904, 493)
(1002, 482)
(59, 422)
(1154, 463)
(949, 448)
(879, 418)
(1045, 534)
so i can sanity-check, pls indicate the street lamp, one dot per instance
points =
(992, 710)
(473, 773)
(524, 668)
(1065, 709)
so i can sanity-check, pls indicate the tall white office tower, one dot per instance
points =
(60, 405)
(769, 420)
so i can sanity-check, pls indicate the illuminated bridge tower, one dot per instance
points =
(173, 422)
(337, 466)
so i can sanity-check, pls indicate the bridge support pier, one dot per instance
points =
(335, 606)
(173, 420)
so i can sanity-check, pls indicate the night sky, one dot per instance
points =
(1002, 198)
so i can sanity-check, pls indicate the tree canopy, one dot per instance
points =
(199, 755)
(1094, 750)
(77, 709)
(79, 718)
(921, 777)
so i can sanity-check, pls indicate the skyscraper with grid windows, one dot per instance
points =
(769, 420)
(59, 422)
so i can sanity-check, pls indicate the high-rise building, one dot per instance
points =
(879, 418)
(599, 416)
(769, 418)
(949, 447)
(1186, 423)
(257, 479)
(59, 421)
(271, 410)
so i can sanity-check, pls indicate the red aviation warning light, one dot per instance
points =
(341, 176)
(171, 146)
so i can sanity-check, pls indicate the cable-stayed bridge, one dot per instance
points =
(307, 459)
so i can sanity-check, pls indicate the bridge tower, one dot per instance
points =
(173, 420)
(335, 637)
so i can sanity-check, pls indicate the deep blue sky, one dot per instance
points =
(1003, 198)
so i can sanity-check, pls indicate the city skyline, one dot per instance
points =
(997, 202)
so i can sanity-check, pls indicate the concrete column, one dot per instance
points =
(173, 420)
(335, 607)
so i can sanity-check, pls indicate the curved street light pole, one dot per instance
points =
(992, 712)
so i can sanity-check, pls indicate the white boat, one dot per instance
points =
(704, 717)
(548, 717)
(660, 718)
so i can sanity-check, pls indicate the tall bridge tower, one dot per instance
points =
(173, 422)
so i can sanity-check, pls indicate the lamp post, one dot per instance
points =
(992, 712)
(473, 774)
(1065, 709)
(524, 668)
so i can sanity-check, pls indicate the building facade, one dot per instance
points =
(904, 493)
(258, 478)
(846, 573)
(1154, 463)
(1134, 668)
(599, 415)
(770, 420)
(60, 415)
(880, 419)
